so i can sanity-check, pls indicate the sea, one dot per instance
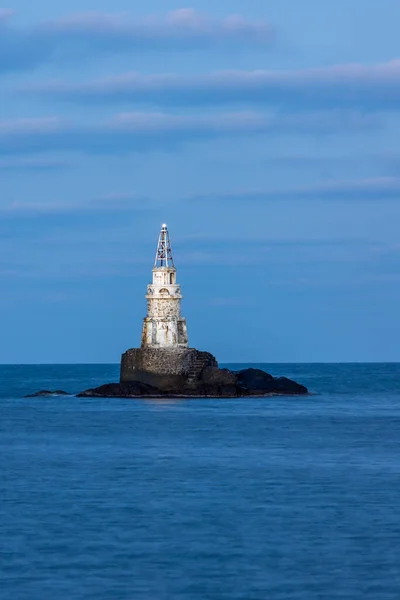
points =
(281, 498)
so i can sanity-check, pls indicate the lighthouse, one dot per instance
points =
(164, 359)
(164, 327)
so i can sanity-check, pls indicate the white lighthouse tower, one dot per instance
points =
(164, 327)
(164, 359)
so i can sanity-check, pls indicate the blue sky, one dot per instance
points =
(266, 134)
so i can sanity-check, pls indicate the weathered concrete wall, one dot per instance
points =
(163, 325)
(164, 333)
(165, 368)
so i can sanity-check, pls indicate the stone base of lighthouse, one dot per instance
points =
(168, 369)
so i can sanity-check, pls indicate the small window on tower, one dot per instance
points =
(171, 278)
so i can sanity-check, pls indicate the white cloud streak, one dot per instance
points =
(84, 35)
(354, 86)
(133, 132)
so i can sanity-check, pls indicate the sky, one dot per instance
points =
(265, 134)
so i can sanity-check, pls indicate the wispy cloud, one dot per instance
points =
(281, 251)
(380, 188)
(113, 203)
(32, 164)
(133, 132)
(89, 34)
(343, 86)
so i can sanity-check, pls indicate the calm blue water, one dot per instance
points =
(256, 499)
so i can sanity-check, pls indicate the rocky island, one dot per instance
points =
(165, 366)
(213, 383)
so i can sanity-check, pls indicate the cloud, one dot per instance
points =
(344, 86)
(133, 132)
(381, 188)
(112, 203)
(81, 35)
(32, 164)
(220, 251)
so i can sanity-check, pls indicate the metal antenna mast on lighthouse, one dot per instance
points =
(164, 250)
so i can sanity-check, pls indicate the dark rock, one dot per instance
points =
(121, 390)
(217, 382)
(252, 379)
(256, 382)
(214, 383)
(47, 393)
(283, 385)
